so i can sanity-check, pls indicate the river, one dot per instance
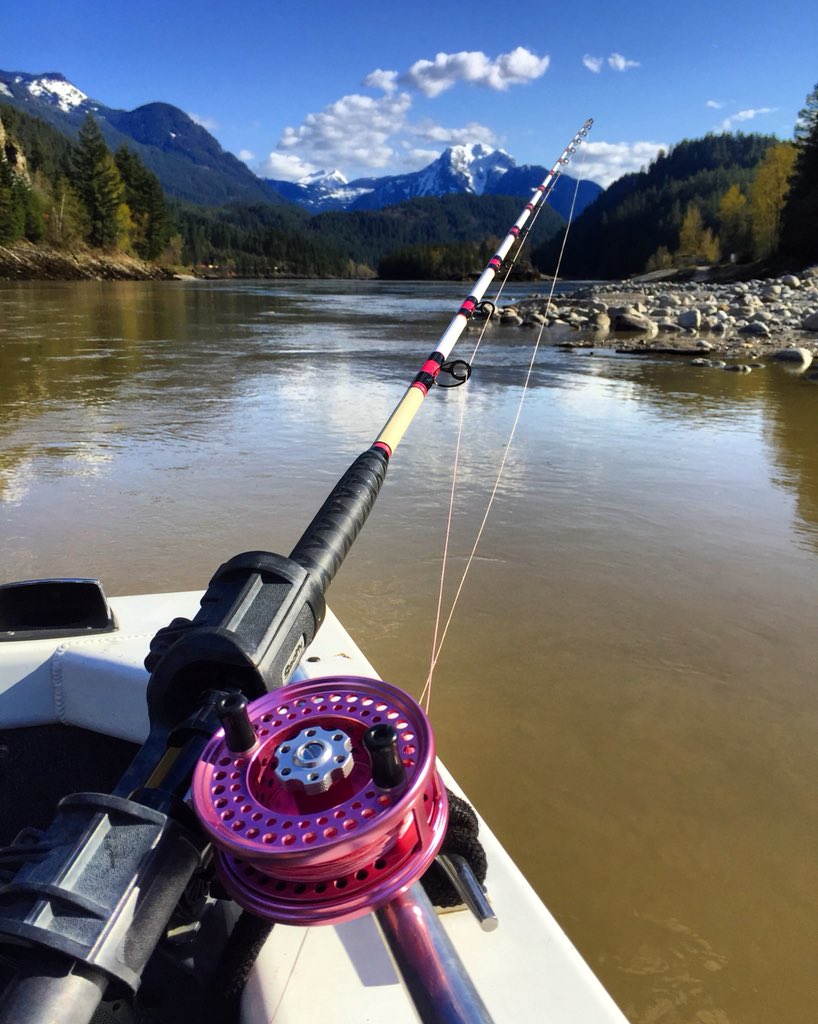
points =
(628, 691)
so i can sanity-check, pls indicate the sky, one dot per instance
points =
(376, 87)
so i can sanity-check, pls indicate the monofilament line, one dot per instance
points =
(437, 644)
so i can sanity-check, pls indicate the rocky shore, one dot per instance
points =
(26, 262)
(731, 326)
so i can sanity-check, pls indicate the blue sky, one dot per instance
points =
(383, 87)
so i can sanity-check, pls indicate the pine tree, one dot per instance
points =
(20, 211)
(146, 200)
(799, 233)
(12, 213)
(99, 184)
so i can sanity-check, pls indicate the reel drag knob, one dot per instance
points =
(333, 810)
(313, 759)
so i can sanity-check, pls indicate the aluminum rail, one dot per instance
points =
(434, 976)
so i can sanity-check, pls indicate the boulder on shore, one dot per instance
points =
(629, 321)
(801, 356)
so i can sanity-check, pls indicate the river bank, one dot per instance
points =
(26, 262)
(729, 326)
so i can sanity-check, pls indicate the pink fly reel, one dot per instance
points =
(304, 833)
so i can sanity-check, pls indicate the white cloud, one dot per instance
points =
(745, 115)
(432, 77)
(620, 63)
(604, 162)
(365, 133)
(286, 167)
(616, 61)
(210, 123)
(429, 131)
(354, 130)
(379, 79)
(415, 158)
(714, 104)
(246, 155)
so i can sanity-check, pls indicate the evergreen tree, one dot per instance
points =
(12, 213)
(799, 234)
(20, 212)
(637, 214)
(151, 224)
(99, 184)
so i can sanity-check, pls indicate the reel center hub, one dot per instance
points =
(315, 757)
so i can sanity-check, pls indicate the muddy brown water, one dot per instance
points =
(628, 692)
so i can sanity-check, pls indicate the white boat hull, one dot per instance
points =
(525, 970)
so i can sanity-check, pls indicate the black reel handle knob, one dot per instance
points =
(239, 734)
(381, 743)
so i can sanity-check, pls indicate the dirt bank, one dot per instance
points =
(25, 262)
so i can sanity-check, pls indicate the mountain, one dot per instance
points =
(188, 161)
(520, 181)
(468, 169)
(192, 166)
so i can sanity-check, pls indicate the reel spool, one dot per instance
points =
(322, 799)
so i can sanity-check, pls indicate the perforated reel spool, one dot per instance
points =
(328, 845)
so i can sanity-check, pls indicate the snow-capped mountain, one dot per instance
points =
(185, 157)
(51, 88)
(471, 169)
(322, 190)
(191, 165)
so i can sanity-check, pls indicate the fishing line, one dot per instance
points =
(437, 645)
(427, 690)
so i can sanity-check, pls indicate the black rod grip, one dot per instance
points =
(326, 541)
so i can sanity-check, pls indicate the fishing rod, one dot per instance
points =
(314, 801)
(329, 536)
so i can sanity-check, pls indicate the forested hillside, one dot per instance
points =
(427, 221)
(799, 222)
(69, 194)
(736, 198)
(642, 214)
